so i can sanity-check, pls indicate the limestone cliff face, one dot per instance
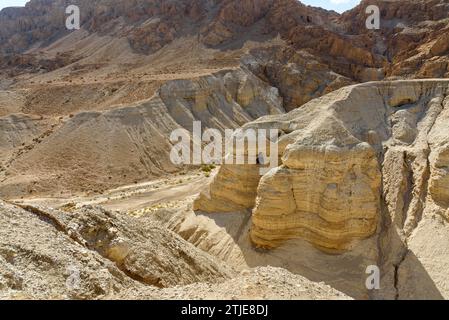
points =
(411, 36)
(342, 156)
(362, 167)
(327, 195)
(299, 76)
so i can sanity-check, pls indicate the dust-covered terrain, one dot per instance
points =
(93, 207)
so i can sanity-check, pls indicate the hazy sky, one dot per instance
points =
(337, 5)
(12, 3)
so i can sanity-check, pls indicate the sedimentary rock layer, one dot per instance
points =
(342, 155)
(94, 150)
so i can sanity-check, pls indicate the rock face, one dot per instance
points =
(328, 195)
(90, 253)
(412, 34)
(41, 247)
(299, 75)
(341, 43)
(367, 161)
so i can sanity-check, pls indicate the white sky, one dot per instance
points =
(12, 3)
(337, 5)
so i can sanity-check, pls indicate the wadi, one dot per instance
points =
(116, 180)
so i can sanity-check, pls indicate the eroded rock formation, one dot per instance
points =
(366, 161)
(108, 253)
(363, 172)
(91, 253)
(133, 141)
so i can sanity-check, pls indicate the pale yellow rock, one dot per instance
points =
(363, 176)
(329, 197)
(336, 150)
(234, 189)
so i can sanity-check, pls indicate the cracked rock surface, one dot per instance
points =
(90, 253)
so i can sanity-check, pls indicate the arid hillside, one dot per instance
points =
(162, 63)
(86, 179)
(165, 63)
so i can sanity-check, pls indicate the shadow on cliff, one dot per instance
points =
(404, 273)
(401, 278)
(414, 282)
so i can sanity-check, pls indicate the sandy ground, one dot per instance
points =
(129, 198)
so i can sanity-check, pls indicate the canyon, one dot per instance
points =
(87, 184)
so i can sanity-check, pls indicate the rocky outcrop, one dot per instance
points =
(366, 161)
(328, 195)
(92, 253)
(89, 253)
(409, 43)
(411, 36)
(236, 182)
(299, 75)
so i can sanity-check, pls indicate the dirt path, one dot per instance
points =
(151, 197)
(136, 196)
